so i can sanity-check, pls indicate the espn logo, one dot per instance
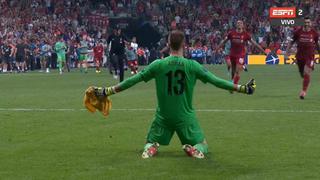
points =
(282, 12)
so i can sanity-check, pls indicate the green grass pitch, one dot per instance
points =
(270, 135)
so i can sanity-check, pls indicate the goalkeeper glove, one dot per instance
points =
(248, 88)
(102, 92)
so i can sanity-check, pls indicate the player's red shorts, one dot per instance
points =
(309, 62)
(237, 60)
(133, 63)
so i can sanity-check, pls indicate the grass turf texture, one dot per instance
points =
(80, 145)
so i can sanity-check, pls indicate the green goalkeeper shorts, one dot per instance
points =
(83, 57)
(188, 134)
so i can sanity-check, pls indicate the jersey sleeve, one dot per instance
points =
(144, 75)
(129, 82)
(205, 76)
(248, 36)
(149, 72)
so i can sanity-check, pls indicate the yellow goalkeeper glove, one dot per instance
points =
(94, 101)
(101, 91)
(248, 88)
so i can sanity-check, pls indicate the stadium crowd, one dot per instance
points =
(30, 28)
(209, 21)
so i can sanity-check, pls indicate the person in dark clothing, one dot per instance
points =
(153, 55)
(20, 55)
(30, 63)
(116, 43)
(7, 55)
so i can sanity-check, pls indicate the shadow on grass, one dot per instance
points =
(178, 165)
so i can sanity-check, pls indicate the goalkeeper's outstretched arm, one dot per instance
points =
(223, 84)
(145, 75)
(206, 76)
(220, 83)
(107, 91)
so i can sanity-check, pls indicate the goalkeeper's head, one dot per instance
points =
(176, 41)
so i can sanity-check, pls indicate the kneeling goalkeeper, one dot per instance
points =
(175, 78)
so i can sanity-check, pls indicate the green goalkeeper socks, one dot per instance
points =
(202, 147)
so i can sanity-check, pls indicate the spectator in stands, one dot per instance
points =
(39, 20)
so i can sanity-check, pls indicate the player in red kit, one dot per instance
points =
(98, 56)
(238, 38)
(307, 40)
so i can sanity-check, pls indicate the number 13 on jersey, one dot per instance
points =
(176, 82)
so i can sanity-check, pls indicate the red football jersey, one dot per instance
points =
(306, 41)
(238, 43)
(98, 51)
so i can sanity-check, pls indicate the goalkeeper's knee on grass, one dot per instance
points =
(203, 147)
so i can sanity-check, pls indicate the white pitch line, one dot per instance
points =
(150, 109)
(37, 109)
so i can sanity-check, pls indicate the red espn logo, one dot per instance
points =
(282, 12)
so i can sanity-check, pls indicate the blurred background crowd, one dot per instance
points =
(37, 23)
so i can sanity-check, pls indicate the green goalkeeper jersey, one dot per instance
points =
(175, 78)
(60, 47)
